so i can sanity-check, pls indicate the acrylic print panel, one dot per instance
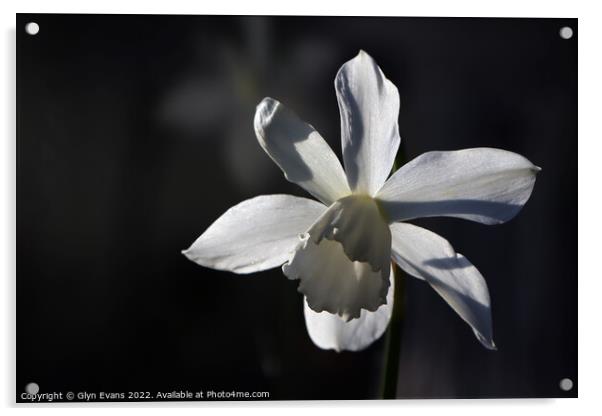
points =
(137, 133)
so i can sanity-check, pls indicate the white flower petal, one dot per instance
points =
(300, 151)
(424, 254)
(482, 184)
(344, 259)
(257, 234)
(369, 106)
(329, 331)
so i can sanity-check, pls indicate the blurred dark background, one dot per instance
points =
(135, 134)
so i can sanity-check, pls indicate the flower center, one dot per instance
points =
(343, 261)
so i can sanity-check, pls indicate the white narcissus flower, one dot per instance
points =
(340, 248)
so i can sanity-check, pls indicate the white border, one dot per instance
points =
(590, 211)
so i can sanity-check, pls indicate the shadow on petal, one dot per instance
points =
(487, 212)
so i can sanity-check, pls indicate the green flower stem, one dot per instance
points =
(394, 336)
(395, 330)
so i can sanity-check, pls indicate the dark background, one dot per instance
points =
(135, 134)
